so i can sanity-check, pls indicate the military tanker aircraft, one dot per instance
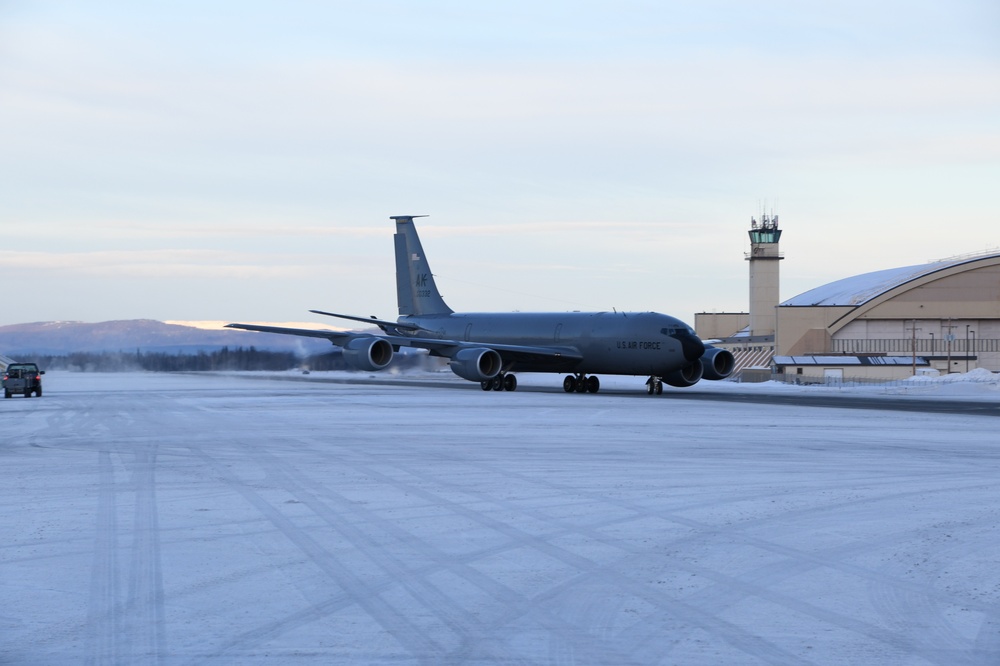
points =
(489, 347)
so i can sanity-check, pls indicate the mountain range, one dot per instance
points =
(21, 341)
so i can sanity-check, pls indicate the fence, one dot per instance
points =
(847, 382)
(906, 345)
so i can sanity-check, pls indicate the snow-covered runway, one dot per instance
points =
(193, 519)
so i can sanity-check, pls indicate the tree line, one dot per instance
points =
(225, 359)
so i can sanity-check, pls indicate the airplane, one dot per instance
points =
(488, 347)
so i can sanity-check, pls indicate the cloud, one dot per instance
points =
(368, 108)
(598, 150)
(170, 264)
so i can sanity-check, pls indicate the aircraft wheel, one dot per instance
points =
(569, 384)
(659, 388)
(487, 385)
(593, 384)
(509, 383)
(498, 383)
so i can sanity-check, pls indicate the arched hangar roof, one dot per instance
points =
(861, 289)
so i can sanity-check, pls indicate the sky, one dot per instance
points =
(240, 161)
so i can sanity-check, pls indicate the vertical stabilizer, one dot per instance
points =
(416, 292)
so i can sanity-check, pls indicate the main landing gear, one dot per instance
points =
(581, 383)
(502, 382)
(654, 385)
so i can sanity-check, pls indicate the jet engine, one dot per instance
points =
(476, 365)
(368, 353)
(686, 376)
(717, 363)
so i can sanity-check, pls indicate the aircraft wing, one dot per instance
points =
(519, 356)
(531, 354)
(336, 337)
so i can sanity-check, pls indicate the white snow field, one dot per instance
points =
(186, 519)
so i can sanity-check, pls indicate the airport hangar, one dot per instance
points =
(936, 318)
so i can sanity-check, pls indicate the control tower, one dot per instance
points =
(764, 257)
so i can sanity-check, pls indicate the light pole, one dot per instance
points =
(950, 337)
(967, 347)
(932, 343)
(913, 346)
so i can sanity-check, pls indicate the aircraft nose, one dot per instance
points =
(691, 344)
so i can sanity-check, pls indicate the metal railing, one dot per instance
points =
(847, 382)
(936, 347)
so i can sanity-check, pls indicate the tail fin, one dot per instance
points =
(416, 292)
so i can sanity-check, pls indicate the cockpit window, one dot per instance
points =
(675, 331)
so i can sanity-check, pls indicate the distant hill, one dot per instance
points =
(20, 341)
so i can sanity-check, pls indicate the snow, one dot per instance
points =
(859, 289)
(182, 519)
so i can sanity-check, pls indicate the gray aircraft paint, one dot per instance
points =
(583, 343)
(610, 343)
(417, 295)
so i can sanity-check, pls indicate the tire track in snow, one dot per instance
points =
(760, 583)
(390, 619)
(938, 634)
(103, 612)
(748, 588)
(727, 590)
(747, 643)
(399, 572)
(470, 629)
(927, 608)
(143, 628)
(262, 633)
(129, 629)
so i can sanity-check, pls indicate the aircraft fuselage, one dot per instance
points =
(489, 347)
(621, 343)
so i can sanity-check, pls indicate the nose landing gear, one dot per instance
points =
(654, 385)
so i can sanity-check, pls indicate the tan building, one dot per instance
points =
(942, 316)
(750, 335)
(764, 257)
(932, 318)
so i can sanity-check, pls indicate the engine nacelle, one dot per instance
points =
(717, 363)
(686, 376)
(368, 353)
(476, 365)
